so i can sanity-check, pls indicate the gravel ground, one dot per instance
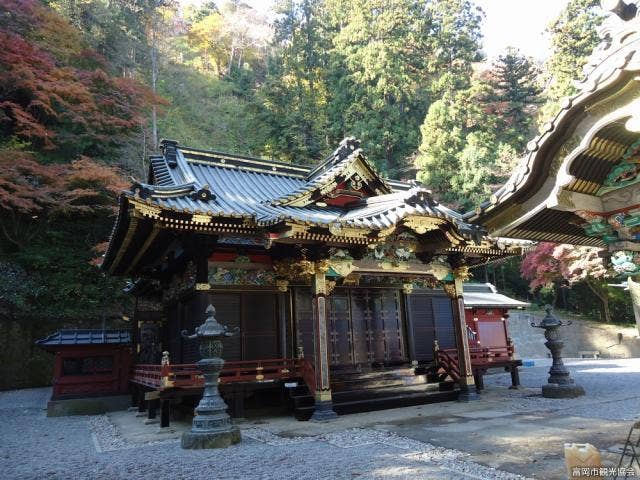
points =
(36, 447)
(33, 446)
(612, 389)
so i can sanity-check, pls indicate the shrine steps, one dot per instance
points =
(355, 392)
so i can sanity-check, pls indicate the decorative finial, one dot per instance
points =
(626, 11)
(211, 310)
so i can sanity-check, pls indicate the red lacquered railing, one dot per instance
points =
(480, 357)
(189, 376)
(448, 361)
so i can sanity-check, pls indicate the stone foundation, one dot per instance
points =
(87, 406)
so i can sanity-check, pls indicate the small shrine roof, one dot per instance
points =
(486, 295)
(86, 337)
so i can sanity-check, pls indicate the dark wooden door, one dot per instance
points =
(393, 330)
(254, 313)
(430, 317)
(340, 329)
(443, 316)
(360, 321)
(366, 327)
(303, 313)
(259, 326)
(228, 313)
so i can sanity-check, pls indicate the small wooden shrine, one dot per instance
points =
(334, 275)
(487, 314)
(88, 363)
(580, 181)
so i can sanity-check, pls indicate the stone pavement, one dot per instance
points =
(506, 434)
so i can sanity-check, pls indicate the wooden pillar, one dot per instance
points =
(467, 384)
(152, 406)
(165, 412)
(142, 403)
(285, 350)
(201, 260)
(323, 402)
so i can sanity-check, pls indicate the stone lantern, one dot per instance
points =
(212, 426)
(560, 383)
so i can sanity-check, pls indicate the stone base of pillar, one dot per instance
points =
(468, 394)
(324, 411)
(207, 440)
(555, 390)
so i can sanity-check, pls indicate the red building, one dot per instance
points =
(89, 364)
(486, 314)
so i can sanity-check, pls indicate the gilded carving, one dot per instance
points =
(423, 225)
(322, 266)
(200, 218)
(282, 284)
(146, 210)
(450, 290)
(329, 286)
(439, 267)
(462, 273)
(293, 269)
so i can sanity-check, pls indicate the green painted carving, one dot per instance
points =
(626, 263)
(598, 227)
(627, 172)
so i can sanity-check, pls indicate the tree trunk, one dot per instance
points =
(602, 294)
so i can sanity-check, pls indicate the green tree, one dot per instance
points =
(515, 94)
(393, 55)
(295, 93)
(573, 38)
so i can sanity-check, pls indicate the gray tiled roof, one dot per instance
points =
(86, 337)
(256, 189)
(486, 295)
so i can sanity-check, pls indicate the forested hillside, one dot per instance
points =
(87, 88)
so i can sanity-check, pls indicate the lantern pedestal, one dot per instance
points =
(212, 426)
(551, 390)
(205, 440)
(560, 384)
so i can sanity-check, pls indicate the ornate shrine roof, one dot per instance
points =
(341, 202)
(268, 192)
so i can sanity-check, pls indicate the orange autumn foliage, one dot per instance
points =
(55, 93)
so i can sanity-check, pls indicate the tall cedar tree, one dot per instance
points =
(515, 93)
(397, 56)
(295, 92)
(573, 37)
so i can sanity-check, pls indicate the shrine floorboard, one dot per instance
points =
(517, 432)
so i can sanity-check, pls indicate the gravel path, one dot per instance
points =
(89, 447)
(33, 446)
(612, 389)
